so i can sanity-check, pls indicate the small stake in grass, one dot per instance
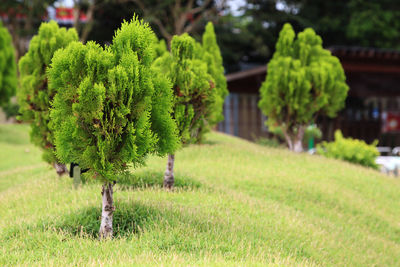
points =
(77, 176)
(111, 109)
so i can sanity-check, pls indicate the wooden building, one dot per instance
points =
(372, 107)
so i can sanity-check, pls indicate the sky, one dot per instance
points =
(233, 4)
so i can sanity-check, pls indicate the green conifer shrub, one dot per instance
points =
(303, 81)
(194, 93)
(34, 94)
(111, 109)
(160, 47)
(351, 150)
(211, 54)
(8, 68)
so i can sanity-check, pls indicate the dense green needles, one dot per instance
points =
(303, 81)
(34, 94)
(8, 68)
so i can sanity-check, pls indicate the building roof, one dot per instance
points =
(365, 52)
(354, 59)
(246, 73)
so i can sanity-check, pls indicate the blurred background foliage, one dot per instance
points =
(247, 30)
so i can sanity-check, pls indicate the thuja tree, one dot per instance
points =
(34, 94)
(111, 109)
(303, 80)
(8, 68)
(194, 93)
(210, 53)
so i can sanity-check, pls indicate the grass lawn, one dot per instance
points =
(236, 203)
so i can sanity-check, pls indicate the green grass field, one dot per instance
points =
(236, 204)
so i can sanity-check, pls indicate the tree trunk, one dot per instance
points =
(298, 145)
(295, 140)
(106, 226)
(61, 169)
(89, 23)
(169, 172)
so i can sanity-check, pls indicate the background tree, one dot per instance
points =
(91, 9)
(23, 19)
(211, 55)
(194, 89)
(34, 95)
(111, 109)
(8, 68)
(175, 17)
(303, 81)
(248, 36)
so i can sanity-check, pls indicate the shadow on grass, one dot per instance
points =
(154, 179)
(208, 142)
(129, 218)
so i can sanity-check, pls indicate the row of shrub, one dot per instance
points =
(107, 108)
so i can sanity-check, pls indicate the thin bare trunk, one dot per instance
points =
(106, 226)
(76, 13)
(169, 172)
(89, 23)
(61, 169)
(295, 140)
(288, 139)
(298, 146)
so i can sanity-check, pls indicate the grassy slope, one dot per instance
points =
(236, 203)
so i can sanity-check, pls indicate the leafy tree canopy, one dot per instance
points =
(303, 81)
(251, 36)
(8, 68)
(111, 109)
(34, 95)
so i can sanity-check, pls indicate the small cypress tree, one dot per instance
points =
(303, 81)
(194, 93)
(211, 54)
(111, 109)
(160, 47)
(34, 94)
(8, 68)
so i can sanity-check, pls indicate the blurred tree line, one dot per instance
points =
(246, 36)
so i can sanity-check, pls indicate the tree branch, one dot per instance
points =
(163, 30)
(200, 8)
(89, 24)
(191, 26)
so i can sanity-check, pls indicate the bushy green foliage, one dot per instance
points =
(198, 80)
(111, 109)
(212, 56)
(303, 80)
(8, 68)
(193, 86)
(160, 47)
(206, 52)
(34, 94)
(351, 150)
